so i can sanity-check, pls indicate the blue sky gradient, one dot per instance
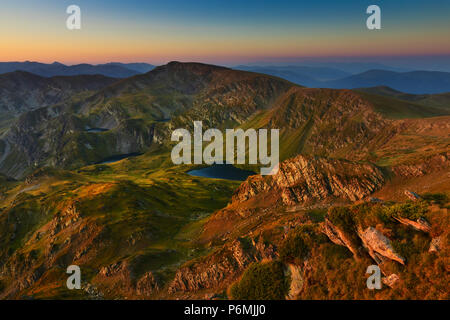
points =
(218, 31)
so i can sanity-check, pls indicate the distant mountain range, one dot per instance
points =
(113, 69)
(303, 75)
(417, 82)
(414, 82)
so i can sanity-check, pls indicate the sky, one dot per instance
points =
(227, 32)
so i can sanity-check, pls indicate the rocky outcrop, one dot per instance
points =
(221, 267)
(420, 224)
(337, 236)
(119, 278)
(294, 273)
(305, 179)
(68, 216)
(378, 245)
(434, 163)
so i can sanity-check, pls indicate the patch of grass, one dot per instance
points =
(298, 243)
(438, 198)
(261, 281)
(409, 210)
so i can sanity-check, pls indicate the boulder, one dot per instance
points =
(420, 224)
(378, 245)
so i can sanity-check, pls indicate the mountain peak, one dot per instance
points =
(192, 65)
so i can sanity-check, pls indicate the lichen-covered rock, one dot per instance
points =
(378, 245)
(337, 236)
(420, 224)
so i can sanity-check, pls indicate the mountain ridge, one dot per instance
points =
(112, 69)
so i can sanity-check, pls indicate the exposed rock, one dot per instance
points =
(420, 224)
(337, 236)
(435, 244)
(68, 216)
(412, 195)
(118, 277)
(378, 245)
(391, 280)
(147, 285)
(294, 272)
(434, 163)
(305, 179)
(220, 267)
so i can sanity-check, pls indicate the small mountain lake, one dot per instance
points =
(118, 158)
(163, 120)
(95, 130)
(222, 171)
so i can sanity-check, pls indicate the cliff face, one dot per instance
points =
(303, 179)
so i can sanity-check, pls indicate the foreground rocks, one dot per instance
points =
(294, 273)
(220, 267)
(419, 224)
(378, 245)
(339, 237)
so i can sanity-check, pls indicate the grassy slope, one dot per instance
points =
(143, 195)
(395, 108)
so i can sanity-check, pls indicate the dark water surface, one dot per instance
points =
(222, 171)
(95, 130)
